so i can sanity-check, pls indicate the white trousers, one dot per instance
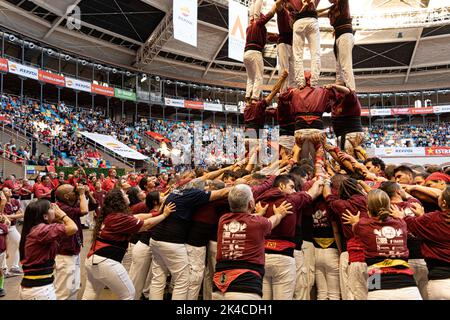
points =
(101, 272)
(38, 293)
(12, 243)
(209, 271)
(327, 274)
(420, 275)
(24, 204)
(279, 277)
(439, 289)
(352, 278)
(286, 62)
(140, 272)
(306, 28)
(197, 259)
(305, 264)
(254, 66)
(408, 293)
(169, 258)
(218, 295)
(67, 277)
(344, 61)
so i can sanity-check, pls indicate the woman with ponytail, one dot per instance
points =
(110, 238)
(44, 226)
(385, 243)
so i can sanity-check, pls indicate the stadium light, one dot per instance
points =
(12, 38)
(114, 70)
(99, 67)
(31, 45)
(84, 62)
(67, 57)
(49, 52)
(144, 78)
(157, 78)
(128, 73)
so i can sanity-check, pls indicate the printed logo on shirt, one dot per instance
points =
(233, 239)
(320, 219)
(389, 241)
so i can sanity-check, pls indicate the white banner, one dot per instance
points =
(114, 145)
(237, 26)
(441, 109)
(78, 84)
(212, 106)
(174, 102)
(185, 21)
(22, 70)
(380, 112)
(399, 152)
(143, 95)
(230, 107)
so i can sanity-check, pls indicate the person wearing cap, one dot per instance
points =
(438, 180)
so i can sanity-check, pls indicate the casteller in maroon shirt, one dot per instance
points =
(256, 38)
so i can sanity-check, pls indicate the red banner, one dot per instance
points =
(157, 136)
(365, 112)
(425, 110)
(438, 151)
(106, 91)
(51, 78)
(193, 104)
(3, 65)
(398, 111)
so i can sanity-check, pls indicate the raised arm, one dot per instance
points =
(276, 88)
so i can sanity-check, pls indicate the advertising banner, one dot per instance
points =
(237, 26)
(106, 91)
(77, 84)
(174, 102)
(438, 151)
(22, 70)
(212, 106)
(231, 108)
(193, 104)
(3, 65)
(399, 152)
(114, 145)
(52, 78)
(185, 21)
(124, 94)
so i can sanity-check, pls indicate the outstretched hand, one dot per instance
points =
(350, 218)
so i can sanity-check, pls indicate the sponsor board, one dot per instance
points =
(399, 152)
(22, 70)
(212, 106)
(106, 91)
(231, 108)
(193, 104)
(114, 145)
(77, 84)
(52, 78)
(3, 65)
(174, 102)
(438, 151)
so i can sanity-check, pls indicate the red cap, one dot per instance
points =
(438, 176)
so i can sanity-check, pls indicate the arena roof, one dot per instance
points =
(138, 34)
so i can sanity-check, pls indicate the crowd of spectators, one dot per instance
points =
(424, 135)
(59, 126)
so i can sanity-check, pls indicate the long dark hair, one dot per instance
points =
(348, 188)
(151, 198)
(114, 202)
(133, 195)
(34, 215)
